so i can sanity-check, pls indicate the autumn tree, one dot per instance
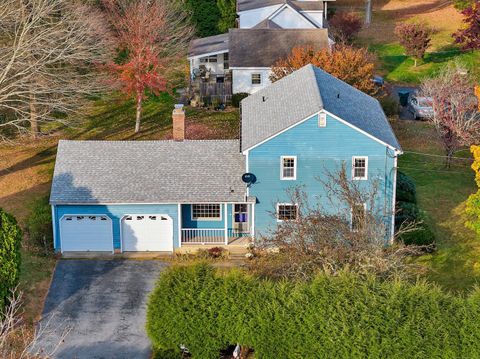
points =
(415, 38)
(154, 35)
(344, 26)
(349, 64)
(473, 202)
(49, 54)
(455, 113)
(469, 36)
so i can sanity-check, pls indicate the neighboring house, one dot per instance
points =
(122, 196)
(268, 30)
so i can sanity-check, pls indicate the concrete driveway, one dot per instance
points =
(96, 309)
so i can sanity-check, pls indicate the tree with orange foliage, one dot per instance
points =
(349, 64)
(154, 35)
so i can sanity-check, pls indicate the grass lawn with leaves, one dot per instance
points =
(26, 167)
(440, 15)
(441, 195)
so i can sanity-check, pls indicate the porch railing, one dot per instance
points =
(210, 236)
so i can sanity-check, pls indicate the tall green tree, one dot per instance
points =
(10, 239)
(228, 14)
(473, 202)
(205, 16)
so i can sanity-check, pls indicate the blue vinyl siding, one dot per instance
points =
(116, 212)
(317, 150)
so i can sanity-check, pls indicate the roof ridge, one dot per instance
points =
(317, 89)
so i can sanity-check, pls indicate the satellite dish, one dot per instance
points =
(249, 178)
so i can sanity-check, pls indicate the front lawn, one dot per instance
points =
(442, 194)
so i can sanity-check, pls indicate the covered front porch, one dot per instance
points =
(225, 224)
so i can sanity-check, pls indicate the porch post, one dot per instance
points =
(253, 222)
(226, 224)
(179, 221)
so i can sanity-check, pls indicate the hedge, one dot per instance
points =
(10, 238)
(406, 188)
(330, 317)
(39, 225)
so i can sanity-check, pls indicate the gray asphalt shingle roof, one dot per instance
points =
(206, 45)
(263, 47)
(304, 93)
(148, 172)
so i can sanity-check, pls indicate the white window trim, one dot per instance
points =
(205, 218)
(251, 79)
(366, 168)
(294, 168)
(351, 215)
(284, 204)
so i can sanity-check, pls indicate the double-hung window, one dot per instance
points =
(206, 211)
(288, 167)
(360, 168)
(358, 217)
(286, 212)
(256, 79)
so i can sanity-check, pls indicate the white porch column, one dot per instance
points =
(179, 221)
(253, 222)
(226, 223)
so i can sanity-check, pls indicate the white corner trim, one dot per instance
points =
(394, 199)
(179, 224)
(54, 227)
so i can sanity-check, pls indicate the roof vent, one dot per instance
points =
(338, 95)
(264, 99)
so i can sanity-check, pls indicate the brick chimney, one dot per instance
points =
(178, 116)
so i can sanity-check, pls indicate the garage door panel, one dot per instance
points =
(142, 233)
(86, 233)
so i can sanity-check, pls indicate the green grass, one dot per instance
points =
(441, 195)
(399, 68)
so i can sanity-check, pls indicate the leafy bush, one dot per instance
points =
(237, 98)
(462, 4)
(10, 259)
(406, 188)
(390, 106)
(39, 225)
(422, 236)
(330, 317)
(407, 212)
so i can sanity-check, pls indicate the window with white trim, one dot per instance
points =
(207, 211)
(322, 120)
(287, 212)
(256, 79)
(360, 168)
(288, 167)
(358, 217)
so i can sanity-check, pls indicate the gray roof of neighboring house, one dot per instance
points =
(263, 47)
(304, 93)
(148, 172)
(206, 45)
(244, 5)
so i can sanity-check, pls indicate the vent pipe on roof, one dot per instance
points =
(178, 117)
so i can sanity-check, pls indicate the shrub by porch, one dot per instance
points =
(341, 316)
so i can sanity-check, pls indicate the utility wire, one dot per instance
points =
(442, 171)
(440, 156)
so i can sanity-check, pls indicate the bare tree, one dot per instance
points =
(455, 113)
(350, 235)
(49, 52)
(154, 35)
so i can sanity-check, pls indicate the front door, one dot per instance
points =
(240, 218)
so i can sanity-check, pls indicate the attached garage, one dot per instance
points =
(147, 233)
(86, 233)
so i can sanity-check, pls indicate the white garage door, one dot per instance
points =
(147, 232)
(86, 233)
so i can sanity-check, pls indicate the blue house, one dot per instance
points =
(130, 196)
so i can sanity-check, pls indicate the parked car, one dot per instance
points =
(420, 107)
